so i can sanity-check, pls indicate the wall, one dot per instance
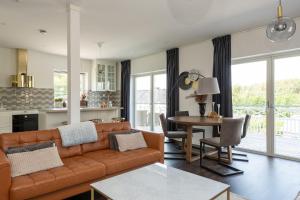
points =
(7, 65)
(154, 62)
(40, 65)
(254, 42)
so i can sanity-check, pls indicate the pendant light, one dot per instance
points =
(282, 28)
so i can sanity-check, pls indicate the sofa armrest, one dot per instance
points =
(5, 176)
(155, 141)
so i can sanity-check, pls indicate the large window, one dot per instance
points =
(269, 89)
(149, 101)
(61, 84)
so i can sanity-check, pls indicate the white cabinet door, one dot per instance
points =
(5, 122)
(111, 77)
(106, 77)
(101, 80)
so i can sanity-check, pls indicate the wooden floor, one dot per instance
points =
(264, 178)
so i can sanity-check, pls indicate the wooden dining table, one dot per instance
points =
(189, 122)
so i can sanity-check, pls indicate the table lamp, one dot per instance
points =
(206, 86)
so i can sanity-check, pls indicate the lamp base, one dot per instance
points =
(202, 107)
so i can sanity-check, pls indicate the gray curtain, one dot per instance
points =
(172, 86)
(222, 71)
(125, 89)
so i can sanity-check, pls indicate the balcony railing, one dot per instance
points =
(287, 120)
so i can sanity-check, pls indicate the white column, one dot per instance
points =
(73, 64)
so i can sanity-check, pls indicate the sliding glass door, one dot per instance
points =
(269, 90)
(287, 106)
(249, 83)
(159, 99)
(143, 103)
(149, 101)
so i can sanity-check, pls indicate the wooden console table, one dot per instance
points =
(189, 122)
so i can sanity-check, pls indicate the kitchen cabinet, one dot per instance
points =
(106, 77)
(5, 122)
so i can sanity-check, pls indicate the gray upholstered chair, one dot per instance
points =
(244, 133)
(172, 134)
(230, 135)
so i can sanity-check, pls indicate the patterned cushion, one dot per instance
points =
(34, 161)
(131, 141)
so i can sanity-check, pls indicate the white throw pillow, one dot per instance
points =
(131, 141)
(34, 161)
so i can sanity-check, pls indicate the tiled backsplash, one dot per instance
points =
(26, 98)
(41, 98)
(94, 98)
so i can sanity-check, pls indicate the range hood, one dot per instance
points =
(21, 79)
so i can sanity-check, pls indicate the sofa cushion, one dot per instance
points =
(33, 161)
(116, 161)
(103, 130)
(33, 137)
(76, 170)
(31, 147)
(127, 142)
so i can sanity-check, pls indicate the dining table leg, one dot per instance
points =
(189, 143)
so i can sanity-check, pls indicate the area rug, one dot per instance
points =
(233, 196)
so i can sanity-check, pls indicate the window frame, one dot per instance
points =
(133, 94)
(85, 81)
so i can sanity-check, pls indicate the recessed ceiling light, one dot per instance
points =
(43, 31)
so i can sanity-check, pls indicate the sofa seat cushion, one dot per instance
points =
(116, 161)
(76, 170)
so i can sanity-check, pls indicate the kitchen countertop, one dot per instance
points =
(59, 110)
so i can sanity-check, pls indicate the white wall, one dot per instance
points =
(154, 62)
(40, 65)
(254, 42)
(7, 63)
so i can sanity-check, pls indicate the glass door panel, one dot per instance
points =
(143, 98)
(249, 82)
(159, 99)
(287, 106)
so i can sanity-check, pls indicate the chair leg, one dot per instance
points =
(219, 154)
(201, 144)
(229, 153)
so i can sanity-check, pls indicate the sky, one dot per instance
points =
(256, 72)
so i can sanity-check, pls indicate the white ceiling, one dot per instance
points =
(131, 28)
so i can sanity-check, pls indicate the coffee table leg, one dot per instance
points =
(92, 194)
(189, 144)
(228, 194)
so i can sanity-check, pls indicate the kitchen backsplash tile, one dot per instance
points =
(96, 97)
(26, 98)
(43, 98)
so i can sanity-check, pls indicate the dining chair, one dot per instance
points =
(173, 135)
(241, 156)
(230, 135)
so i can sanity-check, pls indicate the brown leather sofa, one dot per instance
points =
(83, 164)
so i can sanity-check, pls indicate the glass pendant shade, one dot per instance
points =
(281, 29)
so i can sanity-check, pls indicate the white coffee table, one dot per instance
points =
(159, 182)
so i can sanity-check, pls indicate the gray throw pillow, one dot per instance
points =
(31, 147)
(113, 143)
